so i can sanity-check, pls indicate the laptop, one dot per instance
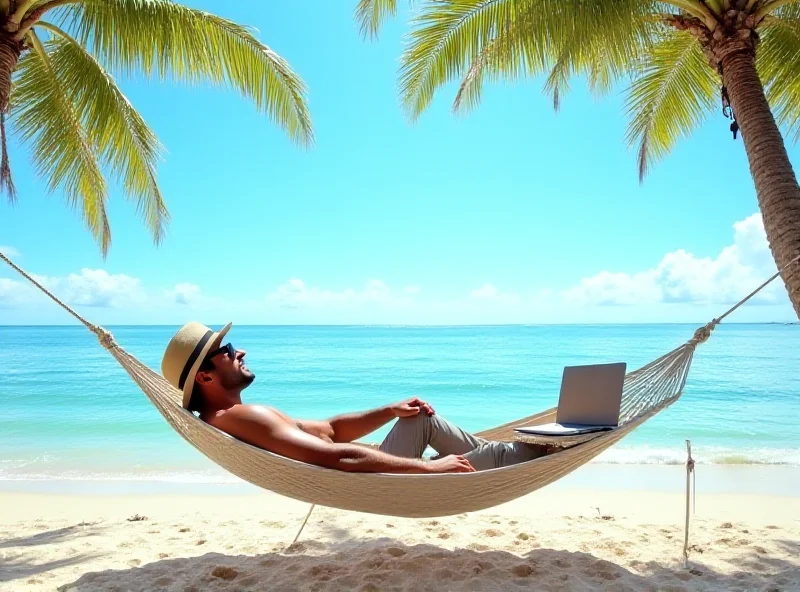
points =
(589, 401)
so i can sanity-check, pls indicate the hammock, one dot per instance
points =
(646, 391)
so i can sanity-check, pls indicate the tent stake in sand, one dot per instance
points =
(689, 473)
(297, 536)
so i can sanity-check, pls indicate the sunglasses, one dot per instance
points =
(227, 348)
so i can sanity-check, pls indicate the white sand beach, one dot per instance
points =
(561, 538)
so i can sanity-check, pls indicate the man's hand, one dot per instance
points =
(453, 463)
(411, 407)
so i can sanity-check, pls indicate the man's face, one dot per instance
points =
(230, 369)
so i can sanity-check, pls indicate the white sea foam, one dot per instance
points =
(701, 454)
(161, 476)
(33, 471)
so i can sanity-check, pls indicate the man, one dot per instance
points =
(212, 378)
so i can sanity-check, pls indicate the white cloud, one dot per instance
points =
(9, 252)
(682, 277)
(90, 287)
(375, 290)
(485, 292)
(490, 293)
(96, 288)
(184, 293)
(296, 294)
(680, 287)
(607, 288)
(12, 293)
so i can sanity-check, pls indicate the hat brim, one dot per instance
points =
(213, 343)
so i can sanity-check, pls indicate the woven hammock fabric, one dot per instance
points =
(646, 391)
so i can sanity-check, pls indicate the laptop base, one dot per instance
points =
(563, 429)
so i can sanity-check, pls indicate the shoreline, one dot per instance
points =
(749, 479)
(651, 506)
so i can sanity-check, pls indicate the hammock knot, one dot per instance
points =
(106, 339)
(703, 333)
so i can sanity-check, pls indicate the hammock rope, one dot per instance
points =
(106, 339)
(646, 391)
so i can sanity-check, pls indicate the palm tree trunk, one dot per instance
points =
(776, 185)
(9, 56)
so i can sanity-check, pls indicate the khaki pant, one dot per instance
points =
(410, 436)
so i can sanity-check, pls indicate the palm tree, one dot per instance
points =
(683, 57)
(58, 94)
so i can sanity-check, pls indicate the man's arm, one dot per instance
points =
(263, 428)
(348, 427)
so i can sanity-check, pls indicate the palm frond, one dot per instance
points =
(606, 42)
(779, 66)
(489, 60)
(696, 8)
(43, 114)
(672, 95)
(491, 39)
(603, 73)
(767, 7)
(116, 131)
(715, 6)
(184, 44)
(449, 35)
(371, 14)
(506, 56)
(606, 64)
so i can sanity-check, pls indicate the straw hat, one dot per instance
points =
(185, 352)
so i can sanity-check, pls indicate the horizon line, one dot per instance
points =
(415, 325)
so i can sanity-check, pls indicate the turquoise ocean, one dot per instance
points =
(70, 413)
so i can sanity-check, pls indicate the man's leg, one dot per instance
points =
(410, 436)
(492, 455)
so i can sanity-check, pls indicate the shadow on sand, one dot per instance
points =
(51, 536)
(16, 565)
(385, 564)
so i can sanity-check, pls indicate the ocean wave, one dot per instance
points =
(163, 477)
(10, 464)
(617, 456)
(109, 465)
(707, 455)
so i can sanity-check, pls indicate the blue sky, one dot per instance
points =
(512, 213)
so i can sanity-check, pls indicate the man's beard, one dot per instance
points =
(240, 381)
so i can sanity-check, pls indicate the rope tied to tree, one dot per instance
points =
(727, 108)
(727, 111)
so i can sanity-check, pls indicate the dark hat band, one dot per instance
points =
(193, 358)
